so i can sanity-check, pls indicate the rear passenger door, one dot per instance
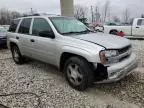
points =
(24, 37)
(44, 46)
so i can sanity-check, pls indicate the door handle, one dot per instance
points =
(32, 40)
(137, 27)
(17, 37)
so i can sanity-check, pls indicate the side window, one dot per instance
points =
(142, 23)
(14, 25)
(25, 26)
(41, 27)
(139, 22)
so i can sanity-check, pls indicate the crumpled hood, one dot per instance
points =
(106, 40)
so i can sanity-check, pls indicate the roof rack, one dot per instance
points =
(37, 14)
(31, 15)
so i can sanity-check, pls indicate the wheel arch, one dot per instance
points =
(113, 30)
(69, 51)
(65, 56)
(12, 41)
(12, 44)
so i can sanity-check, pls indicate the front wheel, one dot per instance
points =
(16, 55)
(79, 73)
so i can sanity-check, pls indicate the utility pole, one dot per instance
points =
(67, 8)
(92, 14)
(31, 11)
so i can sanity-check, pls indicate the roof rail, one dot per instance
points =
(41, 14)
(31, 15)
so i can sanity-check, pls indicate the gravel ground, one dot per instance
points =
(138, 48)
(39, 85)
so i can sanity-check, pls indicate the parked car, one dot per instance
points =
(2, 37)
(84, 56)
(100, 28)
(137, 28)
(6, 27)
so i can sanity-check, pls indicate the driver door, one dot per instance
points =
(44, 46)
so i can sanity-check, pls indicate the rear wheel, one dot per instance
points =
(79, 73)
(17, 57)
(114, 32)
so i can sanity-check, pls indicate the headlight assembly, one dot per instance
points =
(107, 55)
(111, 53)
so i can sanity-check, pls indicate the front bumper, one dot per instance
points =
(119, 70)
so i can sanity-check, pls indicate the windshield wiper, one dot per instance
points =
(85, 31)
(79, 32)
(70, 32)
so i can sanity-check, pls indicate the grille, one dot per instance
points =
(124, 53)
(125, 49)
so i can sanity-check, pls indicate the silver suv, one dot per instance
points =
(84, 56)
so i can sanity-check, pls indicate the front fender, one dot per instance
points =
(91, 56)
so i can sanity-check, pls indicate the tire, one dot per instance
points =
(16, 55)
(114, 32)
(79, 73)
(97, 30)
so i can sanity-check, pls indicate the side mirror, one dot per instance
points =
(47, 34)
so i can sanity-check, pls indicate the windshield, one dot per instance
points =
(66, 25)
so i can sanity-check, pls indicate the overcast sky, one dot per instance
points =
(53, 6)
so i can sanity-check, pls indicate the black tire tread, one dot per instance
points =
(87, 72)
(20, 59)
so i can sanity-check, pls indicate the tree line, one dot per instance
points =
(97, 13)
(102, 13)
(6, 16)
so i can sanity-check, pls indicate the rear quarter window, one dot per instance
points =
(14, 25)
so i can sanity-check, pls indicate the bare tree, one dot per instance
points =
(97, 14)
(106, 10)
(92, 14)
(80, 11)
(116, 19)
(3, 16)
(6, 16)
(126, 16)
(15, 14)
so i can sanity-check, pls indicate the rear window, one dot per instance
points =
(13, 25)
(25, 26)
